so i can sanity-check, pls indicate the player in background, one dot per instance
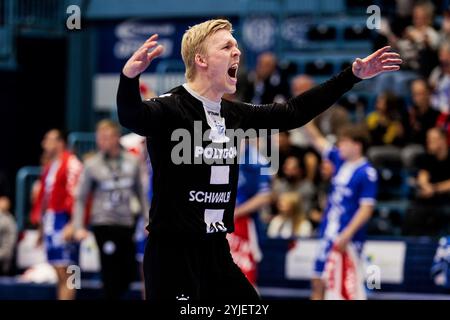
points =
(350, 204)
(52, 208)
(253, 193)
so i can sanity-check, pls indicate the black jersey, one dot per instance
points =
(197, 193)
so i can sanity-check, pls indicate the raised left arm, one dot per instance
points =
(300, 110)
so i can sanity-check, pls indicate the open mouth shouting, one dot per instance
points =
(232, 72)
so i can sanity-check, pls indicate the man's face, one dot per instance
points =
(107, 139)
(420, 95)
(265, 65)
(301, 84)
(291, 169)
(348, 148)
(222, 59)
(420, 17)
(435, 141)
(52, 143)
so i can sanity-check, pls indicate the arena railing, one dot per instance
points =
(25, 179)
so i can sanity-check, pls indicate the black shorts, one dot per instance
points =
(197, 268)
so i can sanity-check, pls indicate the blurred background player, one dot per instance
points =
(253, 194)
(114, 177)
(351, 201)
(53, 207)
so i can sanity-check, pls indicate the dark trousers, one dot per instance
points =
(117, 257)
(197, 268)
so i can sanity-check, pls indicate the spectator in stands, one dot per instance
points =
(444, 34)
(113, 176)
(328, 122)
(294, 180)
(267, 84)
(422, 117)
(299, 84)
(387, 132)
(53, 206)
(290, 220)
(420, 41)
(440, 80)
(429, 213)
(253, 195)
(308, 158)
(8, 236)
(418, 44)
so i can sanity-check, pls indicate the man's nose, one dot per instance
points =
(237, 52)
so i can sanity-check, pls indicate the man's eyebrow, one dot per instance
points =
(232, 41)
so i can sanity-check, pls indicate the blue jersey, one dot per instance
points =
(352, 184)
(251, 181)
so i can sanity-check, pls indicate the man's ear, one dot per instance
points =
(200, 60)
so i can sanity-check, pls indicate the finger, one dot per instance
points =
(143, 51)
(155, 53)
(152, 38)
(359, 61)
(390, 55)
(149, 45)
(379, 52)
(141, 54)
(392, 61)
(391, 68)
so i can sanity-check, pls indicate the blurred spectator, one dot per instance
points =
(429, 213)
(253, 194)
(267, 84)
(443, 122)
(440, 80)
(419, 42)
(386, 130)
(300, 84)
(326, 173)
(328, 122)
(290, 220)
(113, 176)
(308, 158)
(444, 34)
(294, 180)
(53, 206)
(421, 115)
(136, 145)
(421, 118)
(8, 236)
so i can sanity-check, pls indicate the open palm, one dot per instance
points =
(141, 59)
(378, 62)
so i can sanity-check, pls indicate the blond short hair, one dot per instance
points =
(193, 42)
(108, 124)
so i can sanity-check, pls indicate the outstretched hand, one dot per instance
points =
(141, 59)
(378, 62)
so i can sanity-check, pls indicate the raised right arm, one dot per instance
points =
(141, 117)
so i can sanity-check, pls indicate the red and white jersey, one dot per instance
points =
(58, 182)
(344, 275)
